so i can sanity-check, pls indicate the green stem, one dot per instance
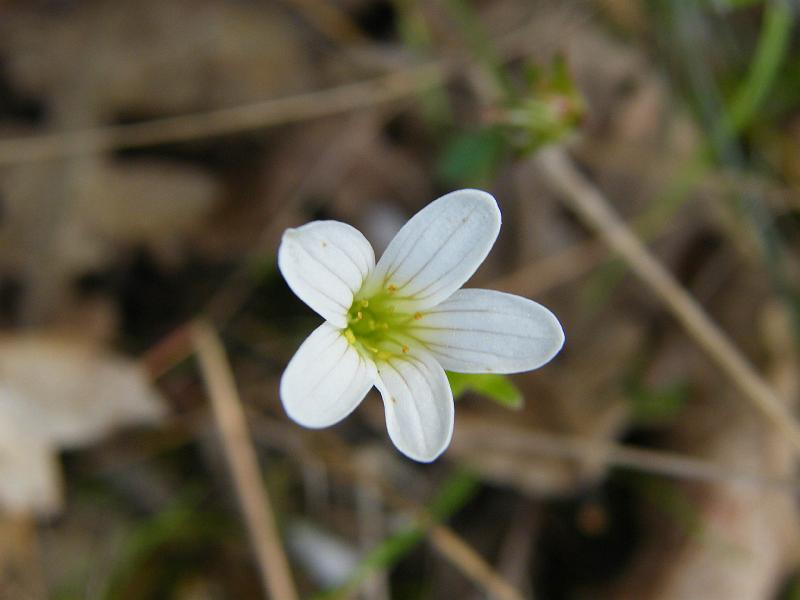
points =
(452, 495)
(773, 46)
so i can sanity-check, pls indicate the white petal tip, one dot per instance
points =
(425, 457)
(419, 405)
(480, 195)
(477, 197)
(303, 422)
(557, 337)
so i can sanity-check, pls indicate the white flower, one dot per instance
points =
(399, 324)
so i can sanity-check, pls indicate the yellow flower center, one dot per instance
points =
(377, 328)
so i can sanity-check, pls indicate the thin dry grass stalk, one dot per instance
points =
(241, 455)
(542, 275)
(522, 442)
(444, 540)
(311, 105)
(470, 563)
(341, 462)
(395, 85)
(587, 201)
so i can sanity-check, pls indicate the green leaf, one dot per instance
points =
(495, 387)
(472, 157)
(774, 44)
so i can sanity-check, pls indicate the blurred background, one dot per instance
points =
(151, 155)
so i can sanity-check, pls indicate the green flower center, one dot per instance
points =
(376, 328)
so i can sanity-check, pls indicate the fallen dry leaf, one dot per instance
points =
(28, 469)
(60, 393)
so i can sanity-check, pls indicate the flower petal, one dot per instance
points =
(325, 380)
(418, 403)
(439, 248)
(325, 263)
(484, 331)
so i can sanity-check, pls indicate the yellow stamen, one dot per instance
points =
(417, 316)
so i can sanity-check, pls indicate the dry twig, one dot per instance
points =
(536, 277)
(521, 442)
(311, 105)
(241, 455)
(444, 540)
(396, 85)
(470, 563)
(594, 209)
